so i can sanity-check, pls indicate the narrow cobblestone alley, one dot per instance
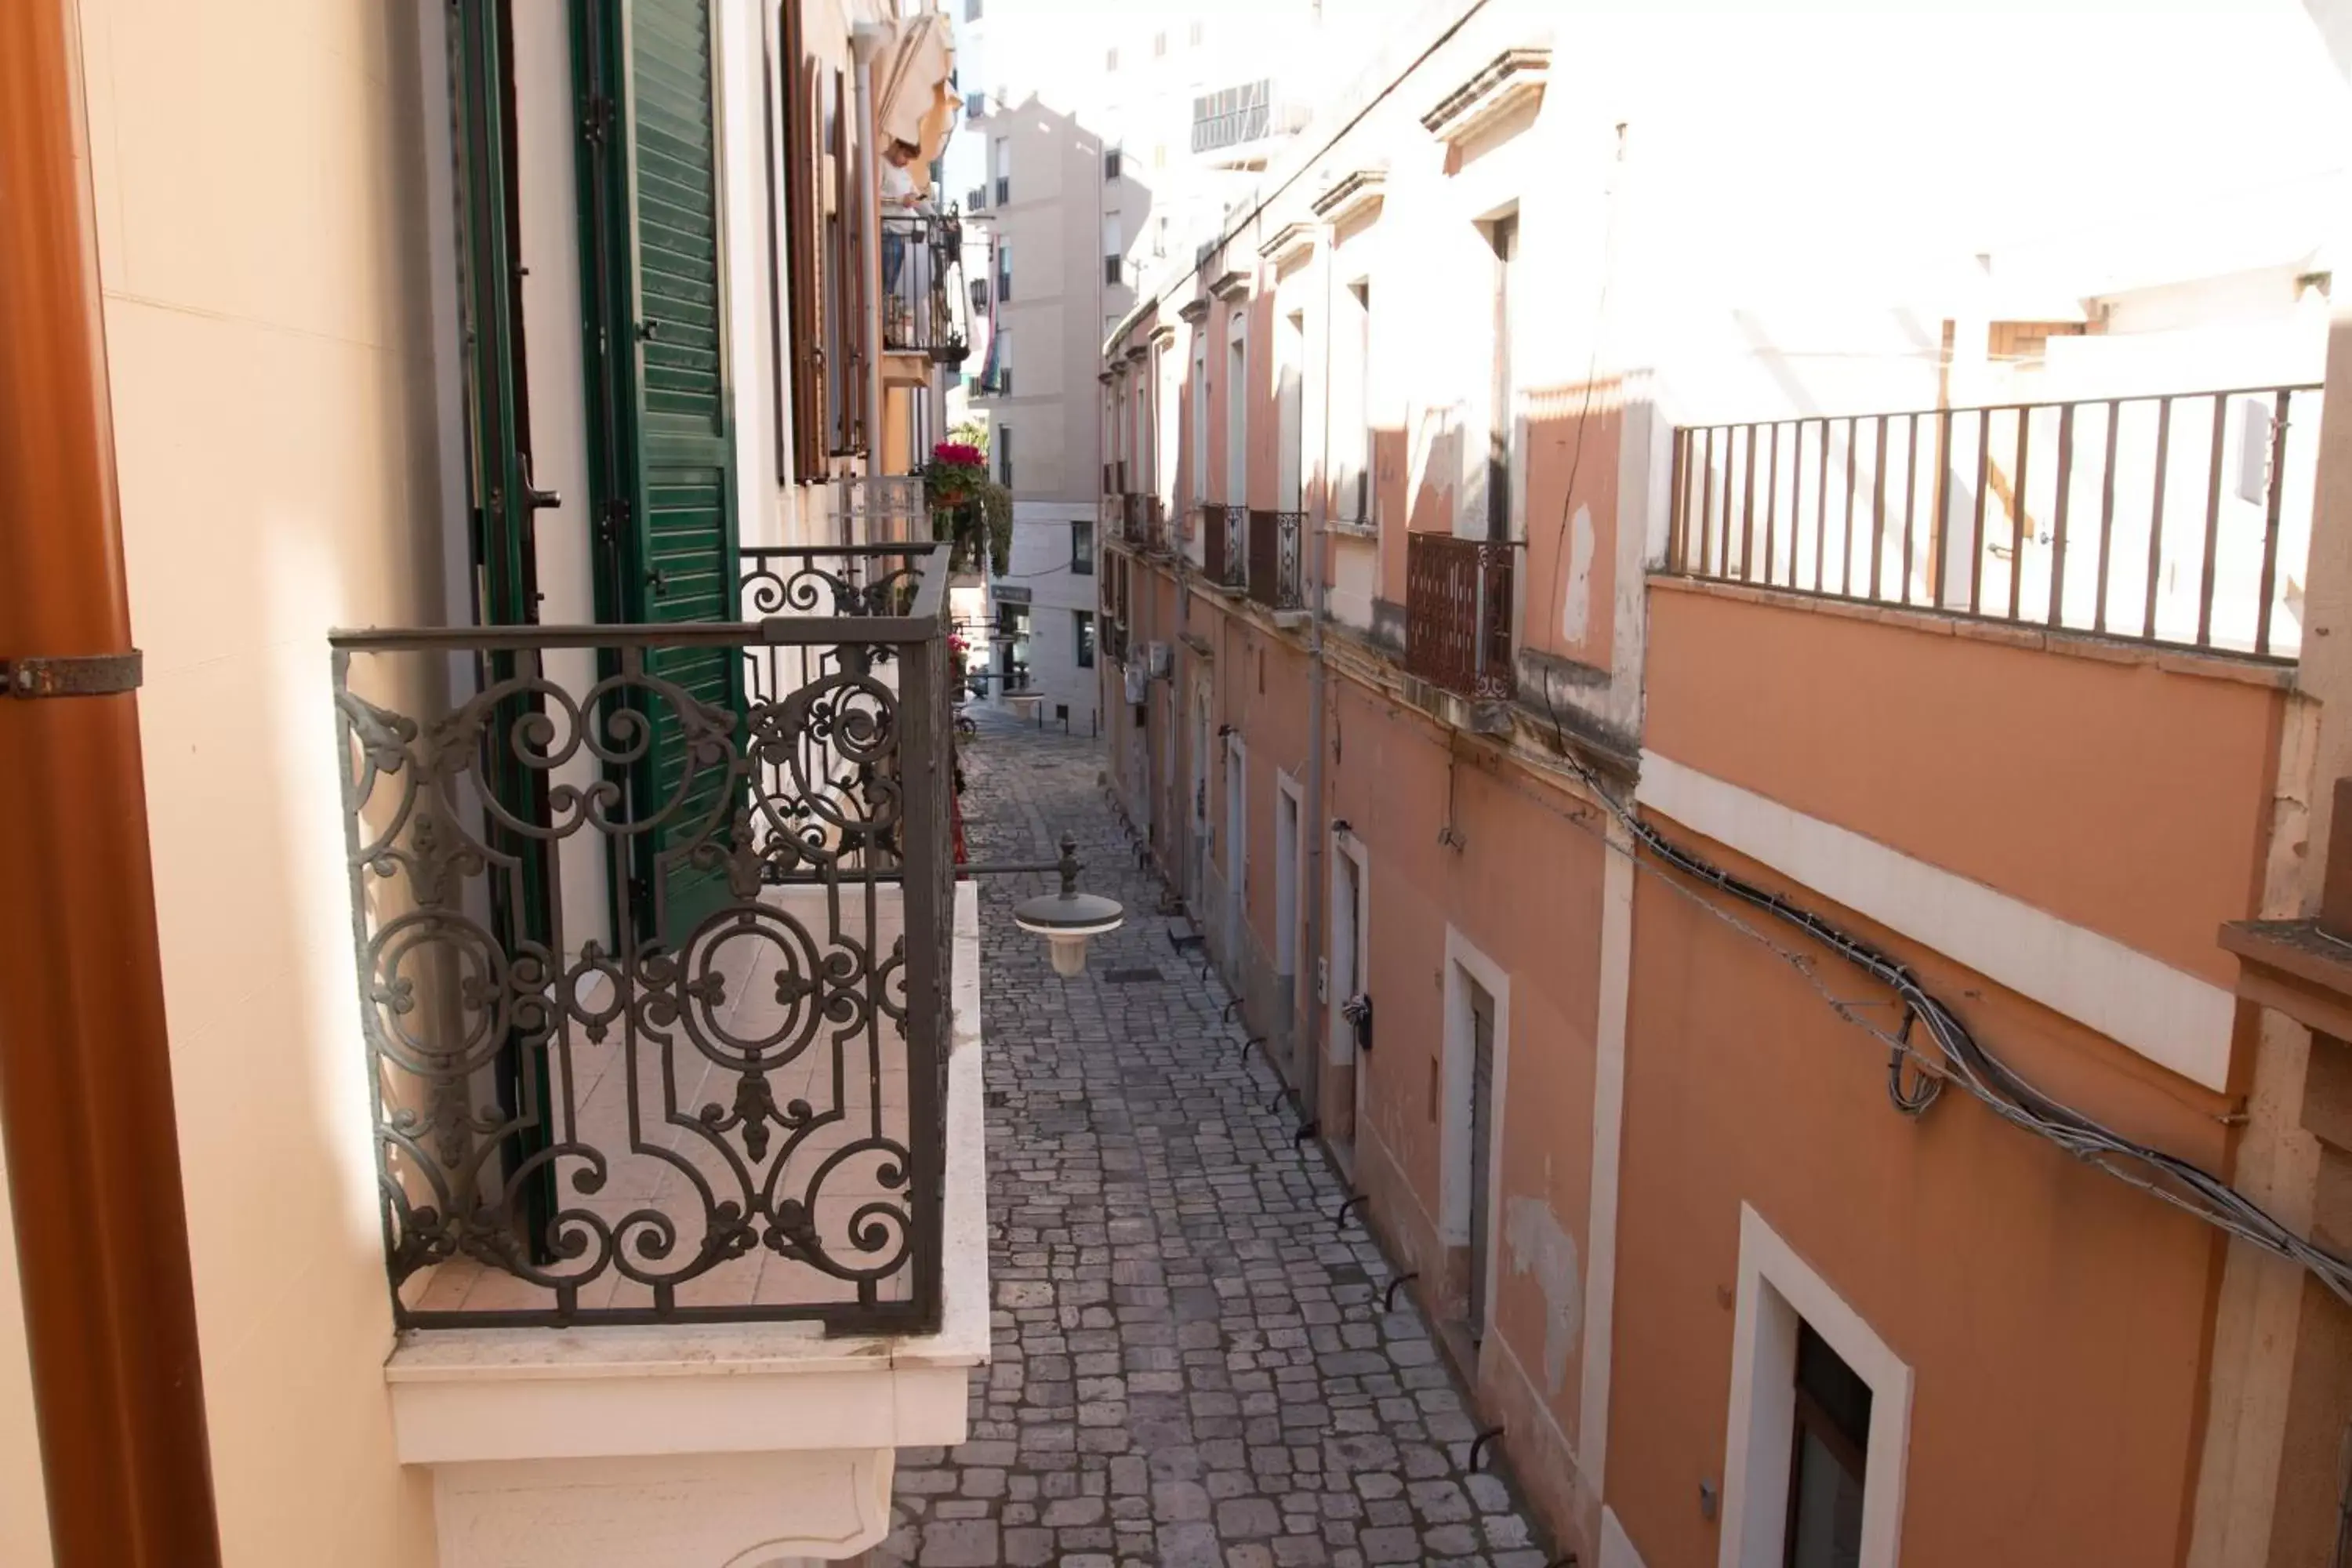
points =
(1193, 1367)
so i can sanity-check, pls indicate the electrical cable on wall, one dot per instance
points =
(1964, 1060)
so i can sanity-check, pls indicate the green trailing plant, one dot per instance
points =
(967, 508)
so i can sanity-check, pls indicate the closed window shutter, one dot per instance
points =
(849, 272)
(686, 540)
(664, 473)
(804, 242)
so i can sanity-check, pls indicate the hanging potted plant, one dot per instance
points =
(967, 508)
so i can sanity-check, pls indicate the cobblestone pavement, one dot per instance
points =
(1192, 1368)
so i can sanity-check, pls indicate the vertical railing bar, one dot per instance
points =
(1747, 512)
(1677, 489)
(1984, 482)
(1821, 516)
(927, 933)
(2106, 513)
(2212, 523)
(2272, 501)
(1910, 499)
(1706, 511)
(1845, 554)
(2156, 513)
(1939, 569)
(2058, 515)
(2016, 516)
(1478, 628)
(1877, 512)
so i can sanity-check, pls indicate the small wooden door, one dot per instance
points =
(1481, 1123)
(1236, 851)
(1349, 968)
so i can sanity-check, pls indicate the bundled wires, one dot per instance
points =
(1951, 1055)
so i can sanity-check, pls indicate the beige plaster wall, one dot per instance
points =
(260, 173)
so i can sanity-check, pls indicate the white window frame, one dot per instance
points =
(1346, 846)
(1199, 419)
(1237, 388)
(1352, 430)
(1464, 963)
(1290, 873)
(1778, 1292)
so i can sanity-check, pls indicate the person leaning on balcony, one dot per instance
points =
(899, 191)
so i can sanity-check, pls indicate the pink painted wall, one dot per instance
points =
(2128, 793)
(1525, 890)
(1563, 451)
(2056, 1321)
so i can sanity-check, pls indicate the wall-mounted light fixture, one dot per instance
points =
(1067, 920)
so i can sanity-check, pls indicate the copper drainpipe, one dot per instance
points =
(85, 1071)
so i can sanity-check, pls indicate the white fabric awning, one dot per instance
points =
(914, 104)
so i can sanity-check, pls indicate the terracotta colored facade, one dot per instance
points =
(1626, 1129)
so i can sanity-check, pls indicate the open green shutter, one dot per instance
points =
(686, 532)
(669, 549)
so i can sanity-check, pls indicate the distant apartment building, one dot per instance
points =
(1093, 138)
(1713, 629)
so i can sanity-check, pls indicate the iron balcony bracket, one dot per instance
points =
(78, 675)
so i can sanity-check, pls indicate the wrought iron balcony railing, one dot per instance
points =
(2178, 518)
(1275, 541)
(922, 286)
(652, 928)
(1457, 611)
(1143, 522)
(1224, 559)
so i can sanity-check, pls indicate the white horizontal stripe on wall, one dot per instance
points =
(2175, 1019)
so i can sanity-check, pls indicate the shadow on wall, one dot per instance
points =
(1434, 464)
(1569, 439)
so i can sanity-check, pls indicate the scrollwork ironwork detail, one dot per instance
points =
(632, 976)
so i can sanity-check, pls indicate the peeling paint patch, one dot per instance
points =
(1536, 1244)
(1576, 607)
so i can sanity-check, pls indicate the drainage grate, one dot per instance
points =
(1129, 976)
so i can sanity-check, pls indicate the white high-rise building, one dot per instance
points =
(1095, 137)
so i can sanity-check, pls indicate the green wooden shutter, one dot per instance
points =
(667, 518)
(503, 502)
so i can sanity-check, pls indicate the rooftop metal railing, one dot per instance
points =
(2181, 519)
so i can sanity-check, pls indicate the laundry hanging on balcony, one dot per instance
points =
(915, 105)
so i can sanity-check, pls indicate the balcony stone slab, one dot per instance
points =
(743, 1445)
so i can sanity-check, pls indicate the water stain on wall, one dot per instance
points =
(1536, 1244)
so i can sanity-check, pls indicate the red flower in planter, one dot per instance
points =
(958, 454)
